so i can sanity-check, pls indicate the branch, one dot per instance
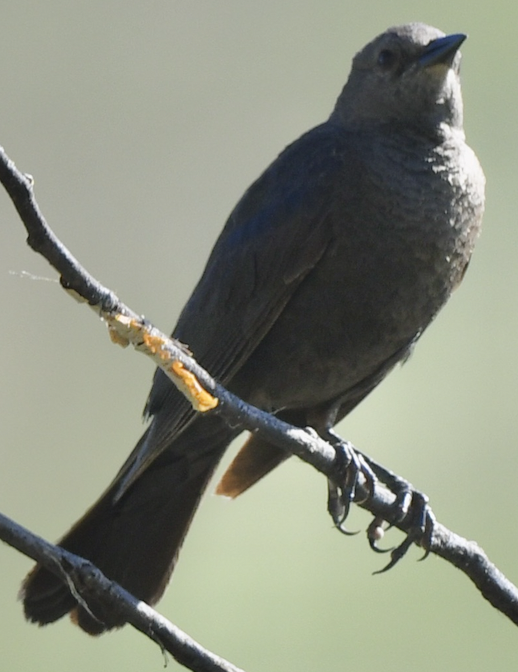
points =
(205, 394)
(80, 572)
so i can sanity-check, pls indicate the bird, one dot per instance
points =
(325, 275)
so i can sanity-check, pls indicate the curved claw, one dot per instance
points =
(428, 530)
(336, 506)
(397, 553)
(339, 510)
(377, 549)
(420, 532)
(425, 555)
(347, 532)
(343, 491)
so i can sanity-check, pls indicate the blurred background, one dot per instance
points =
(142, 124)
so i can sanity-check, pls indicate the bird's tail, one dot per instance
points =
(134, 540)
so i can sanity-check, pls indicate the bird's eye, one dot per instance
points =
(386, 59)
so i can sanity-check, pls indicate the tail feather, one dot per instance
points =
(134, 540)
(256, 458)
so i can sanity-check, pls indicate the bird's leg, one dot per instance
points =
(351, 464)
(408, 499)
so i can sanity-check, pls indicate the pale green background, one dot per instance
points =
(142, 123)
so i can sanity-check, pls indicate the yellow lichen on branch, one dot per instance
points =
(155, 344)
(124, 330)
(201, 400)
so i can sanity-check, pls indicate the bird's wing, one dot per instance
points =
(277, 233)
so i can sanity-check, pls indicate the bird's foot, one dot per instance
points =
(357, 480)
(353, 470)
(409, 502)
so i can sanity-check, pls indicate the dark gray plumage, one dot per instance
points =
(327, 272)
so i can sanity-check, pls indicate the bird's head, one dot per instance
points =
(406, 77)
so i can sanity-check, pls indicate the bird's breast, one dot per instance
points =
(399, 247)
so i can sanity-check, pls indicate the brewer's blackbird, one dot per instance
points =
(325, 275)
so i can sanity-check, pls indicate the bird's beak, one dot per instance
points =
(442, 50)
